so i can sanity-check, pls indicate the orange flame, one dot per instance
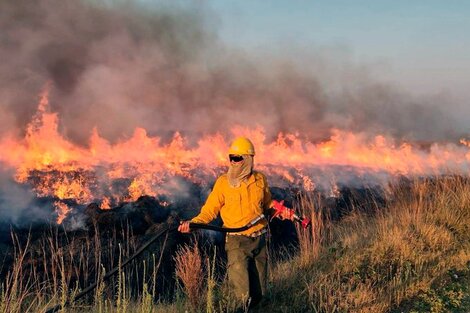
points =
(105, 204)
(63, 170)
(62, 210)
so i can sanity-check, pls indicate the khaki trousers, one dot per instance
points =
(247, 266)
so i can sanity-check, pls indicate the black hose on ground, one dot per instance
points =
(166, 229)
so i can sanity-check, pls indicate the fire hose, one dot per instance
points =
(277, 206)
(166, 229)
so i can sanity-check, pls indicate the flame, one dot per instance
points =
(105, 204)
(62, 210)
(56, 167)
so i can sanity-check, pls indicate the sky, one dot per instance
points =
(422, 45)
(397, 68)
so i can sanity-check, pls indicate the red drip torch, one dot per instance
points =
(282, 210)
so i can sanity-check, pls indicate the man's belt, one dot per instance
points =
(252, 235)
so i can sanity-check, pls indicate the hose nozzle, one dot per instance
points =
(280, 209)
(256, 220)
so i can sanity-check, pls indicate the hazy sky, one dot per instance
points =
(422, 45)
(397, 68)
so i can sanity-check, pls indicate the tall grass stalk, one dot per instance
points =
(311, 239)
(122, 301)
(211, 282)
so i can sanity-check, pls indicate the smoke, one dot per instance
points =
(124, 65)
(379, 108)
(18, 204)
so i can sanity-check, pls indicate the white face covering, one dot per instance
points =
(238, 172)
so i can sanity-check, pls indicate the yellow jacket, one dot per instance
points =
(237, 206)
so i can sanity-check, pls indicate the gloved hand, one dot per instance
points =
(282, 212)
(184, 227)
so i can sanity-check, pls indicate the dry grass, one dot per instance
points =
(374, 263)
(189, 269)
(312, 239)
(397, 259)
(50, 272)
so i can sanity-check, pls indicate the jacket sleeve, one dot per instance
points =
(211, 208)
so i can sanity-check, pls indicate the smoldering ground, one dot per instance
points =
(121, 65)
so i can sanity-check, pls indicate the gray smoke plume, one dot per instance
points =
(118, 66)
(18, 204)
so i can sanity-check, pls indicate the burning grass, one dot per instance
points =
(44, 163)
(410, 254)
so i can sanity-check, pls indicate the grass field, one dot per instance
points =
(410, 255)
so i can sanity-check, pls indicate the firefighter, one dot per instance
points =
(239, 196)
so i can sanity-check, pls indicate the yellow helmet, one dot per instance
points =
(242, 145)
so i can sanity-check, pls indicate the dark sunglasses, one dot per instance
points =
(235, 158)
